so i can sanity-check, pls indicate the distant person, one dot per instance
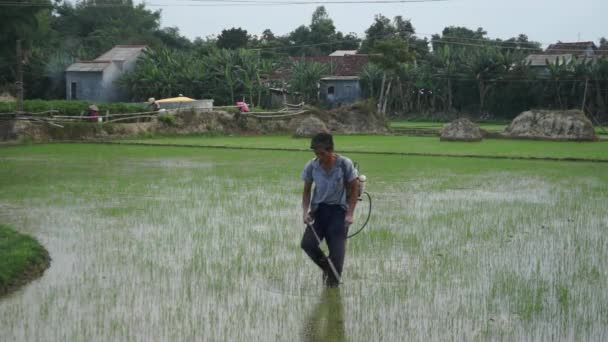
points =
(153, 104)
(242, 106)
(93, 113)
(328, 209)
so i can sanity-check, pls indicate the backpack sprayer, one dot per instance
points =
(362, 193)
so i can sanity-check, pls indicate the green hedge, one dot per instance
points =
(22, 258)
(72, 107)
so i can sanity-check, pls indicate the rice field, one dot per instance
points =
(170, 243)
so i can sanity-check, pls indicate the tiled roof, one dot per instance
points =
(348, 65)
(122, 53)
(89, 66)
(578, 48)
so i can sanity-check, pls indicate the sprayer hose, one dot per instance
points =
(369, 214)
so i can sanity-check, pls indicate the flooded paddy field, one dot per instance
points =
(169, 243)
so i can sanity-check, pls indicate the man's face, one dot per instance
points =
(322, 152)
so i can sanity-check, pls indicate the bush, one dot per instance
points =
(168, 119)
(366, 106)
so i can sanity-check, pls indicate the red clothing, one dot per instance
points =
(242, 106)
(94, 115)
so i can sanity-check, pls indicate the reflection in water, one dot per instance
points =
(326, 321)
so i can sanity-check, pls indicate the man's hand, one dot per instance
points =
(307, 218)
(348, 219)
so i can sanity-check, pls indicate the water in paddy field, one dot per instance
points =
(207, 248)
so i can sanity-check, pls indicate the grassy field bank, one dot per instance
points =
(406, 145)
(169, 243)
(492, 127)
(22, 258)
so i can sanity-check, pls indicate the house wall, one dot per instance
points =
(345, 92)
(111, 91)
(96, 86)
(88, 85)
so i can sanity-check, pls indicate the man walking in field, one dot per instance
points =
(329, 209)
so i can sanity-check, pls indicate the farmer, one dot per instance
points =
(93, 113)
(329, 211)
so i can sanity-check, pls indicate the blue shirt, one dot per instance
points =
(329, 187)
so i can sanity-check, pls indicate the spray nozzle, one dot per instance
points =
(362, 180)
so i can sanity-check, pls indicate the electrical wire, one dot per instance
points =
(233, 3)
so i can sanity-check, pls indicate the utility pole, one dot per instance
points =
(19, 82)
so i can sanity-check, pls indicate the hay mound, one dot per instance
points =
(552, 125)
(461, 129)
(310, 126)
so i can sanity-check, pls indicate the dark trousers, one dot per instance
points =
(329, 225)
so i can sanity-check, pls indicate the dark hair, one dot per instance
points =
(322, 140)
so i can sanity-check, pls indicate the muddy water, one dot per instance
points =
(197, 249)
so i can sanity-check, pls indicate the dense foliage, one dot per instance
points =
(457, 71)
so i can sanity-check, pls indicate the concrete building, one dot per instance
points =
(96, 80)
(336, 91)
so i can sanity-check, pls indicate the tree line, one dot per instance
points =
(458, 70)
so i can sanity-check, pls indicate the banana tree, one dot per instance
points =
(560, 71)
(390, 55)
(486, 66)
(371, 78)
(304, 79)
(447, 62)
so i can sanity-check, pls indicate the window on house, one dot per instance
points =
(330, 90)
(73, 91)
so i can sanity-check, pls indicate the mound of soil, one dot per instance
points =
(461, 129)
(309, 127)
(345, 120)
(552, 125)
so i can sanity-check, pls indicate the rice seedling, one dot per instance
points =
(159, 243)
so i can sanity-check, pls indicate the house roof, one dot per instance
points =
(122, 53)
(89, 66)
(347, 65)
(341, 53)
(540, 60)
(578, 48)
(119, 53)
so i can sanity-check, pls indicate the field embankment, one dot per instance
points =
(22, 259)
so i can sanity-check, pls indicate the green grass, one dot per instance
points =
(21, 258)
(407, 145)
(492, 127)
(176, 243)
(439, 125)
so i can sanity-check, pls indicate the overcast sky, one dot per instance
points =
(545, 21)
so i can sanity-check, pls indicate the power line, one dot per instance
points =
(231, 3)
